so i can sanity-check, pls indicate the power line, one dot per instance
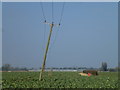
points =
(56, 34)
(58, 27)
(62, 13)
(49, 37)
(44, 37)
(52, 11)
(54, 40)
(51, 48)
(43, 11)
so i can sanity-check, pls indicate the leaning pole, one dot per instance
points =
(47, 47)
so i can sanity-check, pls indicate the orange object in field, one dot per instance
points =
(89, 74)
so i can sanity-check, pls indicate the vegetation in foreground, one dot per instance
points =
(59, 80)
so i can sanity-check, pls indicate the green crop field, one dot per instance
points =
(59, 80)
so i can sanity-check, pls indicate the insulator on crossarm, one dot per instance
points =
(59, 24)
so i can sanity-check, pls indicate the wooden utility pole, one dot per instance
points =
(45, 55)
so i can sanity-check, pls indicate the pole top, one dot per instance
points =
(51, 24)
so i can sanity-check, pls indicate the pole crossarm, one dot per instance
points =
(57, 25)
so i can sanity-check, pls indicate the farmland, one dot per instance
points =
(59, 80)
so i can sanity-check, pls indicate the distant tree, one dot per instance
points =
(69, 67)
(24, 69)
(64, 68)
(104, 66)
(61, 68)
(32, 68)
(6, 67)
(16, 69)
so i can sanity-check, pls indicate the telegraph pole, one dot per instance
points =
(48, 42)
(47, 46)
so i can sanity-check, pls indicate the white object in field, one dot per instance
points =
(83, 74)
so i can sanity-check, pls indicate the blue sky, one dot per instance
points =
(88, 34)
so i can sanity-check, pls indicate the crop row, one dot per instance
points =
(59, 80)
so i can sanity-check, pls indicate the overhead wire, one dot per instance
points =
(44, 36)
(43, 11)
(62, 13)
(52, 11)
(56, 34)
(44, 41)
(44, 33)
(59, 22)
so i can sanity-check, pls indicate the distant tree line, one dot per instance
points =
(8, 67)
(65, 68)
